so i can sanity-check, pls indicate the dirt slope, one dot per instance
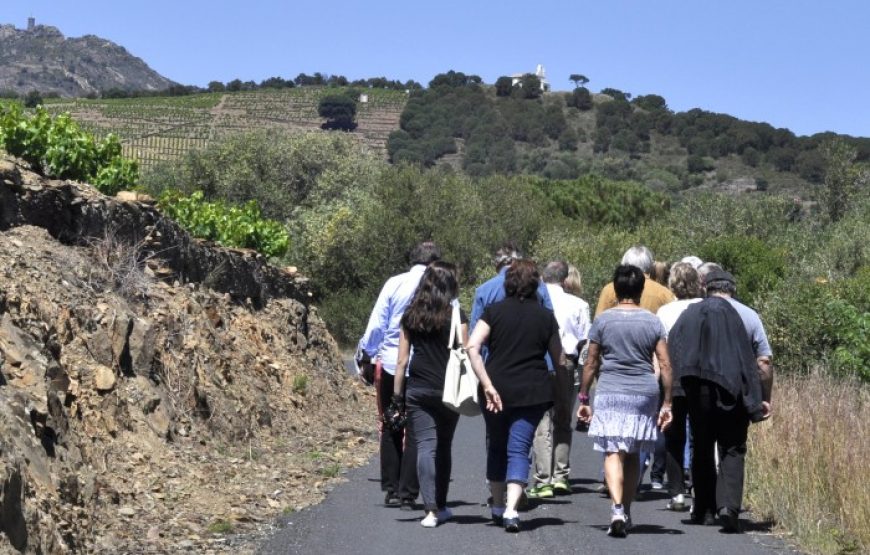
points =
(156, 393)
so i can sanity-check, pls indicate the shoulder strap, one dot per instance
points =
(455, 327)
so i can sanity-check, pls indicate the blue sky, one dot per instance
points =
(799, 64)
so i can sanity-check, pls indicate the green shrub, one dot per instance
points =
(809, 324)
(282, 172)
(300, 384)
(598, 201)
(57, 147)
(231, 226)
(756, 266)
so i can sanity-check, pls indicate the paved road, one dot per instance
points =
(353, 520)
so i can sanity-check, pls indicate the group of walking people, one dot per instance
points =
(685, 359)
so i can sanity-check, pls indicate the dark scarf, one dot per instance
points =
(709, 342)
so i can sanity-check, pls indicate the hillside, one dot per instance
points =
(165, 128)
(512, 129)
(42, 59)
(157, 393)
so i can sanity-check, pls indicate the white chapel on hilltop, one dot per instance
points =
(540, 73)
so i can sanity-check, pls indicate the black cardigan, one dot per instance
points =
(709, 342)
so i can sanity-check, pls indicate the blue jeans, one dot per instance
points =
(511, 433)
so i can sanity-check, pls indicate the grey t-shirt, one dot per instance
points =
(754, 328)
(628, 340)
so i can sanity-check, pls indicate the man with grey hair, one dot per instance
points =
(720, 353)
(552, 445)
(492, 291)
(654, 295)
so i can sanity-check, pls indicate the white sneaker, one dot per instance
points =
(429, 521)
(677, 503)
(617, 526)
(444, 515)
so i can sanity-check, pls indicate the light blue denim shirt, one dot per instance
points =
(381, 338)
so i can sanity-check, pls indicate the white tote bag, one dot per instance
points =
(460, 382)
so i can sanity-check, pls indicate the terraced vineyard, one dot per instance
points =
(165, 128)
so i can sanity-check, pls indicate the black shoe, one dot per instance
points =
(391, 499)
(407, 505)
(512, 524)
(705, 518)
(728, 520)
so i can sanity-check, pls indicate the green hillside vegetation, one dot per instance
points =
(352, 218)
(518, 129)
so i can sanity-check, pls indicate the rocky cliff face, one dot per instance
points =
(43, 59)
(156, 393)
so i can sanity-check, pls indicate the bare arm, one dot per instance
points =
(765, 371)
(402, 363)
(665, 415)
(590, 370)
(478, 337)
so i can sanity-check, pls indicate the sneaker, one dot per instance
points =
(540, 492)
(677, 503)
(705, 519)
(561, 487)
(657, 485)
(728, 520)
(391, 499)
(407, 505)
(498, 516)
(444, 515)
(603, 489)
(512, 524)
(429, 521)
(617, 527)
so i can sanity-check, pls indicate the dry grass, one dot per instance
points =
(809, 467)
(121, 264)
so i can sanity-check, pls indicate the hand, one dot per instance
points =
(766, 410)
(584, 413)
(493, 400)
(666, 416)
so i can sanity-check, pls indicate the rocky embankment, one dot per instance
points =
(157, 393)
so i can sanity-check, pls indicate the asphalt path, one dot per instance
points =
(352, 519)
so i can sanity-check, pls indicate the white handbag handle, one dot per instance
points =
(455, 327)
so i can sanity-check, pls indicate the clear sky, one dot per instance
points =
(799, 64)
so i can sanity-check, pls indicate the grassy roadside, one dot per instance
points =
(809, 467)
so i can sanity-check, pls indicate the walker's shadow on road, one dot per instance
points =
(653, 529)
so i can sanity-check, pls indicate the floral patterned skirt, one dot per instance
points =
(624, 422)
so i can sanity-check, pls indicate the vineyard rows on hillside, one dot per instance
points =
(166, 128)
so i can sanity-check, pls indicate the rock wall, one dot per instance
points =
(156, 393)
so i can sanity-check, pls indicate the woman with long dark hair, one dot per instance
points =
(426, 326)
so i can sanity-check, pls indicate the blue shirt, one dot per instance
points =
(381, 338)
(491, 292)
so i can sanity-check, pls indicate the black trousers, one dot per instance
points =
(675, 444)
(716, 418)
(398, 449)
